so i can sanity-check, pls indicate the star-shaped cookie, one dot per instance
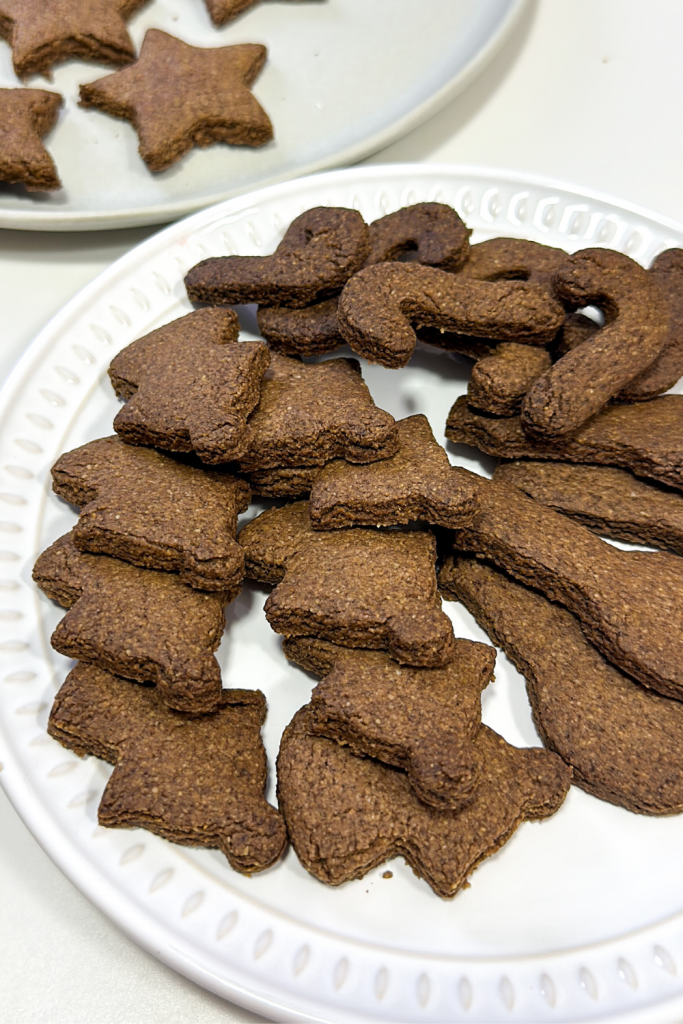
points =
(222, 11)
(25, 116)
(178, 96)
(43, 33)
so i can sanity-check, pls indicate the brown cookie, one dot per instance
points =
(460, 344)
(629, 603)
(43, 34)
(178, 96)
(310, 331)
(25, 116)
(416, 483)
(141, 624)
(500, 381)
(513, 259)
(190, 385)
(423, 720)
(635, 331)
(357, 588)
(195, 781)
(310, 413)
(321, 249)
(667, 368)
(378, 304)
(284, 482)
(433, 231)
(624, 743)
(155, 511)
(608, 501)
(646, 438)
(346, 814)
(223, 11)
(576, 329)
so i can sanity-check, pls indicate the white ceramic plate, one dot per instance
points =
(343, 79)
(576, 918)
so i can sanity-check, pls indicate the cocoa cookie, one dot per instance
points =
(513, 259)
(625, 744)
(500, 381)
(321, 249)
(284, 482)
(608, 501)
(223, 11)
(190, 385)
(418, 482)
(141, 624)
(646, 438)
(576, 329)
(178, 96)
(357, 588)
(629, 603)
(433, 231)
(311, 413)
(378, 304)
(26, 115)
(423, 720)
(195, 781)
(44, 34)
(460, 344)
(667, 368)
(635, 331)
(155, 511)
(346, 814)
(310, 331)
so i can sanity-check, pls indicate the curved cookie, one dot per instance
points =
(433, 231)
(195, 781)
(155, 511)
(576, 329)
(190, 385)
(625, 744)
(346, 814)
(499, 382)
(667, 368)
(513, 259)
(321, 249)
(138, 623)
(378, 304)
(586, 378)
(310, 331)
(25, 116)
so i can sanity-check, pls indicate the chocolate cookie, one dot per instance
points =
(608, 501)
(25, 116)
(357, 588)
(178, 96)
(433, 231)
(223, 11)
(667, 368)
(346, 814)
(321, 249)
(378, 305)
(195, 781)
(624, 743)
(284, 482)
(418, 482)
(629, 603)
(514, 259)
(310, 331)
(423, 720)
(141, 624)
(576, 329)
(44, 34)
(190, 385)
(646, 438)
(500, 381)
(635, 331)
(155, 511)
(311, 413)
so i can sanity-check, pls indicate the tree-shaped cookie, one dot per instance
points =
(139, 623)
(190, 385)
(359, 588)
(155, 511)
(195, 781)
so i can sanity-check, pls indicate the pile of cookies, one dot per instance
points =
(175, 95)
(390, 756)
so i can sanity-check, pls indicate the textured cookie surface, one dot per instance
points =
(190, 385)
(155, 511)
(513, 259)
(141, 624)
(25, 116)
(433, 231)
(499, 382)
(625, 744)
(222, 11)
(178, 96)
(346, 814)
(310, 331)
(195, 781)
(667, 368)
(284, 482)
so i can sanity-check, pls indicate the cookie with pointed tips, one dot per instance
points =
(624, 744)
(358, 588)
(141, 624)
(190, 385)
(195, 781)
(346, 815)
(223, 11)
(155, 511)
(178, 96)
(423, 720)
(26, 115)
(418, 482)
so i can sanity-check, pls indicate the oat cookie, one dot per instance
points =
(26, 115)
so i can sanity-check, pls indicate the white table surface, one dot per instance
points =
(587, 91)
